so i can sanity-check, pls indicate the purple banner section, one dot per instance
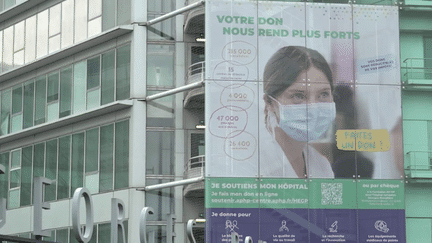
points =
(378, 225)
(223, 221)
(339, 225)
(284, 225)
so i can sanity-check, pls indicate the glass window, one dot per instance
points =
(5, 111)
(160, 112)
(161, 31)
(4, 179)
(17, 97)
(63, 167)
(54, 43)
(79, 87)
(161, 6)
(93, 72)
(28, 104)
(30, 39)
(53, 97)
(106, 158)
(8, 49)
(162, 201)
(67, 31)
(42, 34)
(54, 20)
(51, 169)
(1, 51)
(91, 152)
(77, 161)
(14, 198)
(80, 20)
(8, 3)
(123, 12)
(108, 11)
(160, 65)
(19, 36)
(39, 160)
(40, 100)
(26, 176)
(107, 86)
(94, 27)
(104, 233)
(62, 235)
(95, 8)
(123, 73)
(121, 154)
(65, 91)
(160, 153)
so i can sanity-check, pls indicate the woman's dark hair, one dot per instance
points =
(287, 64)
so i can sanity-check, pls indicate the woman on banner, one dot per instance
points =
(299, 111)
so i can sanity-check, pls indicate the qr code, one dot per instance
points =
(331, 193)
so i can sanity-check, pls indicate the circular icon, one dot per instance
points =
(241, 147)
(228, 122)
(239, 53)
(225, 72)
(241, 96)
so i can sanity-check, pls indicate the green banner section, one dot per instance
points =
(380, 194)
(254, 193)
(332, 194)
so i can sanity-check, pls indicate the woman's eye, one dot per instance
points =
(324, 95)
(298, 97)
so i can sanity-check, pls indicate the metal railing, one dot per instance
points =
(418, 164)
(194, 167)
(415, 69)
(195, 73)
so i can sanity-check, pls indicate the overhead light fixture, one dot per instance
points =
(200, 125)
(201, 38)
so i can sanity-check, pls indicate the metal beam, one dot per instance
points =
(172, 14)
(173, 91)
(171, 184)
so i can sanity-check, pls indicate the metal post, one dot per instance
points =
(171, 184)
(173, 91)
(170, 228)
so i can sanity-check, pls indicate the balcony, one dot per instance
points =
(195, 98)
(415, 76)
(194, 21)
(418, 165)
(194, 168)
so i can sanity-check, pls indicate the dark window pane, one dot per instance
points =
(121, 154)
(64, 167)
(4, 160)
(77, 161)
(51, 169)
(28, 105)
(65, 91)
(104, 233)
(40, 100)
(91, 153)
(53, 85)
(108, 66)
(106, 158)
(26, 175)
(93, 72)
(123, 73)
(108, 11)
(17, 100)
(38, 160)
(5, 112)
(160, 153)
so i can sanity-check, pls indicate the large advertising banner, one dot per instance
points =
(303, 115)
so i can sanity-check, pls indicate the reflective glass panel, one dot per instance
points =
(30, 39)
(19, 36)
(123, 12)
(93, 72)
(5, 111)
(80, 20)
(42, 34)
(95, 8)
(106, 157)
(40, 100)
(108, 11)
(51, 169)
(54, 43)
(94, 27)
(65, 91)
(160, 153)
(28, 104)
(26, 175)
(123, 73)
(17, 98)
(121, 154)
(54, 20)
(77, 161)
(92, 149)
(107, 83)
(8, 49)
(79, 87)
(64, 167)
(162, 201)
(160, 65)
(67, 31)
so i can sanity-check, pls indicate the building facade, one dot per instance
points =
(73, 80)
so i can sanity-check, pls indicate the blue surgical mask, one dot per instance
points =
(306, 122)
